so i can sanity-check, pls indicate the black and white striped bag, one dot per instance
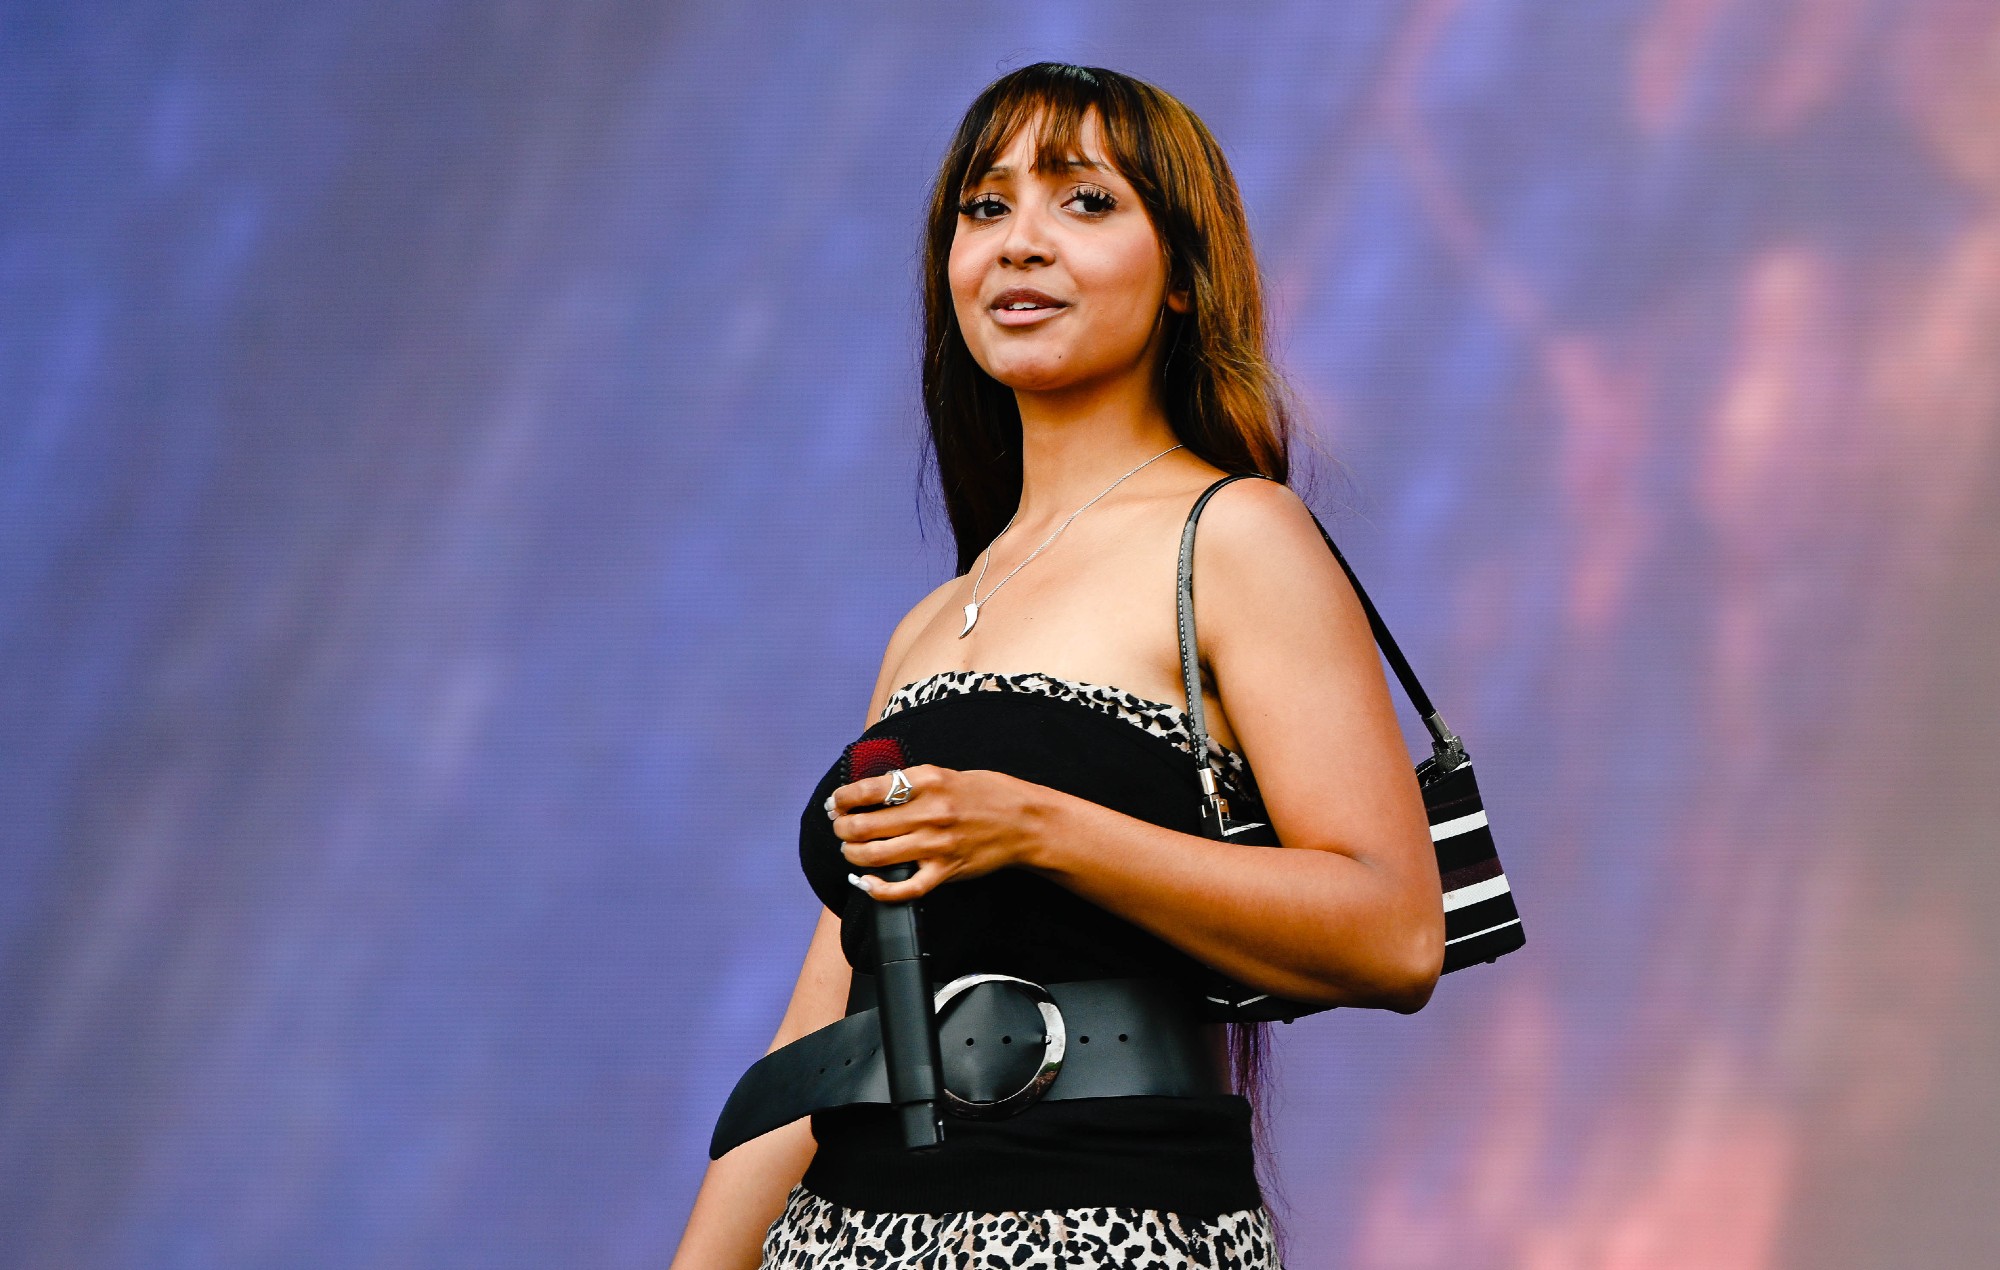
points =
(1480, 921)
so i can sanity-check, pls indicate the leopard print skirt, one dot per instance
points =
(815, 1232)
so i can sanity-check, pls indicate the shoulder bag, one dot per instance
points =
(1481, 923)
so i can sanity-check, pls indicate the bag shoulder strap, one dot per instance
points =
(1442, 741)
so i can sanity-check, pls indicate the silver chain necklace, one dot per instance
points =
(972, 609)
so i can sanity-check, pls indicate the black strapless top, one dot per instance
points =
(1187, 1155)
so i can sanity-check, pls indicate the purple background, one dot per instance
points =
(459, 464)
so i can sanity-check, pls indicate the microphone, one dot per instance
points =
(902, 977)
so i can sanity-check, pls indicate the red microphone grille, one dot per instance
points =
(874, 756)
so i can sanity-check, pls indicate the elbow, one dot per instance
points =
(1420, 967)
(1422, 944)
(1402, 982)
(1406, 962)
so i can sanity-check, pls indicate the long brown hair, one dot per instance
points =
(1223, 397)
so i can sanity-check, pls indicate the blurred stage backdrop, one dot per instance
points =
(459, 465)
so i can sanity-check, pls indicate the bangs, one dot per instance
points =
(1062, 102)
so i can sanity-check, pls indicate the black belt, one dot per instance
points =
(1004, 1042)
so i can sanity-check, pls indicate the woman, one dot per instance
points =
(1095, 361)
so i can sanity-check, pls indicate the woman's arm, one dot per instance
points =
(1350, 912)
(744, 1192)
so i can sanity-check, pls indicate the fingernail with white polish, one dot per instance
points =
(828, 804)
(860, 881)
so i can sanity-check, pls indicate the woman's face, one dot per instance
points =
(1078, 246)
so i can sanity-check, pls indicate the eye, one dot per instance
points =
(1091, 194)
(1096, 202)
(970, 207)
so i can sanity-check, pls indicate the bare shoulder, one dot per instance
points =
(916, 620)
(1264, 526)
(1260, 560)
(905, 634)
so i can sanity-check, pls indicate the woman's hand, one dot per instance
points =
(956, 825)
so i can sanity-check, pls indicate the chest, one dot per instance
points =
(1100, 609)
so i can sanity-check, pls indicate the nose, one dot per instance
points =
(1027, 240)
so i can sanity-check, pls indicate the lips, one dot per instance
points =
(1025, 296)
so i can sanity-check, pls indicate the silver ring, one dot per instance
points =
(899, 789)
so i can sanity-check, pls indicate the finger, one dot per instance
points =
(885, 892)
(862, 793)
(877, 853)
(863, 826)
(873, 887)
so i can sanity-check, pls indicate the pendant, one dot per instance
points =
(971, 616)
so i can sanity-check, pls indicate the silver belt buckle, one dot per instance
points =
(1055, 1039)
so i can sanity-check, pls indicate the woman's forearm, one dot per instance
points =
(1301, 923)
(741, 1195)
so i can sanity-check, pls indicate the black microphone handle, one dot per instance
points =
(903, 1004)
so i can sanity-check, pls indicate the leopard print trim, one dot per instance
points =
(1156, 717)
(814, 1233)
